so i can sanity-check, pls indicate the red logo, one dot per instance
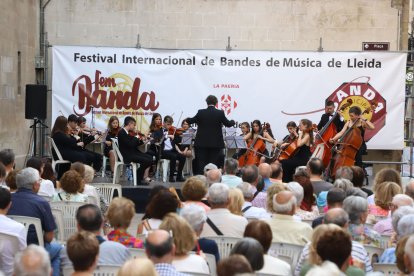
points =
(227, 104)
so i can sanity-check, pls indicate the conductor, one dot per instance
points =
(209, 138)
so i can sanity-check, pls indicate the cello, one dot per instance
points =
(254, 148)
(322, 148)
(346, 149)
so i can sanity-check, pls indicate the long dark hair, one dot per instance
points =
(110, 129)
(60, 125)
(257, 122)
(152, 126)
(308, 124)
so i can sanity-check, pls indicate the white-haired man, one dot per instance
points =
(219, 219)
(384, 227)
(213, 176)
(284, 227)
(230, 178)
(250, 211)
(34, 260)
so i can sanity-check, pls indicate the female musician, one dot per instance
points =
(113, 129)
(245, 129)
(293, 133)
(178, 135)
(156, 134)
(304, 141)
(258, 133)
(87, 135)
(355, 121)
(70, 148)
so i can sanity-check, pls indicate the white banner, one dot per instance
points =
(274, 87)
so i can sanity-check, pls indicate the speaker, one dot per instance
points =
(36, 101)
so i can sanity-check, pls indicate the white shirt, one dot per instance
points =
(231, 180)
(167, 141)
(192, 263)
(274, 266)
(228, 223)
(11, 227)
(46, 188)
(255, 212)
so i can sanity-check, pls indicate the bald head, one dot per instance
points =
(159, 246)
(213, 176)
(337, 216)
(284, 203)
(265, 170)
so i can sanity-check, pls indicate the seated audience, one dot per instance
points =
(11, 181)
(309, 201)
(34, 260)
(10, 227)
(334, 198)
(277, 173)
(261, 231)
(384, 227)
(409, 189)
(230, 170)
(236, 201)
(399, 252)
(284, 227)
(119, 214)
(357, 209)
(193, 191)
(213, 176)
(298, 191)
(209, 166)
(341, 183)
(220, 220)
(273, 189)
(26, 202)
(250, 174)
(384, 175)
(265, 171)
(71, 183)
(83, 251)
(382, 198)
(138, 267)
(184, 240)
(248, 210)
(7, 158)
(160, 249)
(161, 204)
(358, 178)
(315, 169)
(2, 175)
(252, 250)
(234, 265)
(344, 172)
(48, 172)
(196, 217)
(326, 268)
(46, 186)
(409, 255)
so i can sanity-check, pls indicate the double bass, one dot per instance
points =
(322, 148)
(254, 149)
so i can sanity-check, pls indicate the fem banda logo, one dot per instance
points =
(116, 92)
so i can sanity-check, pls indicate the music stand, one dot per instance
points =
(187, 139)
(235, 142)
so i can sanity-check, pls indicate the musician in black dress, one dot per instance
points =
(355, 120)
(304, 142)
(70, 148)
(112, 132)
(329, 113)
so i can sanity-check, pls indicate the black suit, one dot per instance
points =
(209, 138)
(337, 122)
(128, 145)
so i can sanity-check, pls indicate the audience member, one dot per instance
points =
(297, 190)
(71, 183)
(384, 227)
(284, 227)
(236, 201)
(273, 189)
(250, 174)
(137, 267)
(341, 183)
(48, 172)
(10, 227)
(399, 252)
(160, 249)
(334, 199)
(196, 217)
(209, 166)
(34, 260)
(384, 175)
(26, 202)
(3, 175)
(46, 186)
(220, 221)
(325, 269)
(277, 172)
(234, 265)
(265, 171)
(83, 251)
(344, 172)
(309, 201)
(248, 210)
(315, 169)
(358, 178)
(230, 169)
(7, 158)
(162, 203)
(193, 191)
(357, 209)
(409, 255)
(11, 181)
(261, 231)
(383, 196)
(213, 176)
(119, 214)
(252, 250)
(409, 189)
(184, 240)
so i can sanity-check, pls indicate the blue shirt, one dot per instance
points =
(26, 203)
(388, 256)
(165, 269)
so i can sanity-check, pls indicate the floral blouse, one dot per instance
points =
(125, 238)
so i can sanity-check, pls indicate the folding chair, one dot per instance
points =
(119, 163)
(387, 269)
(68, 209)
(27, 221)
(54, 148)
(107, 190)
(225, 244)
(286, 251)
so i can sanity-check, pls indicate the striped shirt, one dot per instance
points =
(358, 253)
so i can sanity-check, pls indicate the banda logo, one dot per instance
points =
(115, 92)
(226, 104)
(366, 97)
